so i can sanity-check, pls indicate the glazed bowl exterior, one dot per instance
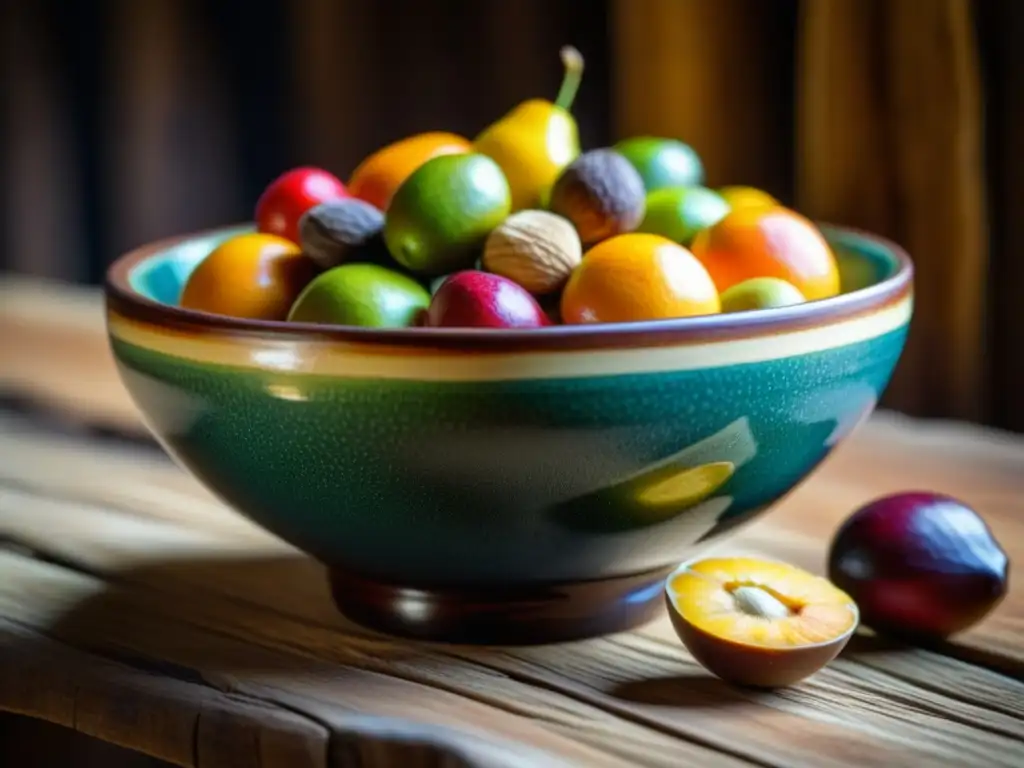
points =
(479, 458)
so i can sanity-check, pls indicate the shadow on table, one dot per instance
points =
(262, 635)
(697, 689)
(866, 643)
(219, 614)
(29, 743)
(222, 618)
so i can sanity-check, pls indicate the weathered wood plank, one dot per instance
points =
(347, 687)
(180, 722)
(852, 710)
(891, 453)
(53, 344)
(151, 569)
(983, 467)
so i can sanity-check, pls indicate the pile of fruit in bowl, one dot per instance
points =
(680, 358)
(517, 228)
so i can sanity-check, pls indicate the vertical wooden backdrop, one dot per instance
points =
(891, 141)
(895, 116)
(718, 74)
(127, 120)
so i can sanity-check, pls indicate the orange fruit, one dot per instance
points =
(768, 242)
(638, 277)
(256, 276)
(379, 175)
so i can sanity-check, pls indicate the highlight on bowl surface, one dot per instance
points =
(340, 372)
(517, 227)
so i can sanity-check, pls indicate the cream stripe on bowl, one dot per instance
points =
(350, 360)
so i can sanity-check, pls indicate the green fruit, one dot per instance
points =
(679, 213)
(760, 293)
(441, 215)
(361, 294)
(662, 163)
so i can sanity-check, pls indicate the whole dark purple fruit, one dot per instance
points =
(919, 564)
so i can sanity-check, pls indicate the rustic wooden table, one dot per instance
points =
(136, 608)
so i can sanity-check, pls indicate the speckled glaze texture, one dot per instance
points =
(451, 461)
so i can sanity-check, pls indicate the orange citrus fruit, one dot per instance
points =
(256, 276)
(772, 242)
(379, 175)
(638, 277)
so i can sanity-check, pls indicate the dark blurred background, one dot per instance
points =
(129, 120)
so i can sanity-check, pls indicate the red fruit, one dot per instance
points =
(474, 299)
(292, 194)
(919, 564)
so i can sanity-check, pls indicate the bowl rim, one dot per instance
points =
(125, 301)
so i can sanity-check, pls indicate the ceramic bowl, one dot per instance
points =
(505, 486)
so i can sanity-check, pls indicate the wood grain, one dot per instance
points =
(1000, 30)
(53, 344)
(76, 378)
(678, 72)
(338, 688)
(640, 695)
(156, 607)
(184, 723)
(889, 129)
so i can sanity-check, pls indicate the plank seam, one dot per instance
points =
(374, 667)
(231, 703)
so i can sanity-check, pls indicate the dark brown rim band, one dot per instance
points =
(127, 302)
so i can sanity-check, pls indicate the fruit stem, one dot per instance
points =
(758, 602)
(572, 60)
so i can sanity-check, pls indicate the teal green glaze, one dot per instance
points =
(502, 482)
(497, 482)
(862, 261)
(662, 163)
(860, 266)
(163, 277)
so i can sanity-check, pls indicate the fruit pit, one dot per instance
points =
(758, 623)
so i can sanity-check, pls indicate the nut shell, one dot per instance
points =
(334, 232)
(536, 249)
(601, 193)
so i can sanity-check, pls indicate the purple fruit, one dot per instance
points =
(475, 299)
(919, 564)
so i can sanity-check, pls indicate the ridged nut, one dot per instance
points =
(536, 249)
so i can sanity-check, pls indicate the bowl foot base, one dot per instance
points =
(545, 613)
